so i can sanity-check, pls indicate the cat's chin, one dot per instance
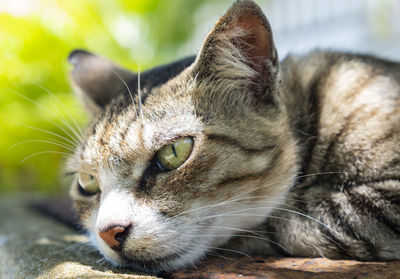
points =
(166, 263)
(155, 265)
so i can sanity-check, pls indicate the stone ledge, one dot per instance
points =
(293, 268)
(36, 246)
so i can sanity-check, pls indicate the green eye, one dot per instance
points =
(173, 155)
(88, 184)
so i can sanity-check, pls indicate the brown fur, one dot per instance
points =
(298, 161)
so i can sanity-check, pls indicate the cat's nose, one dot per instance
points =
(115, 236)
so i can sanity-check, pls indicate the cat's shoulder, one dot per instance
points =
(325, 59)
(306, 69)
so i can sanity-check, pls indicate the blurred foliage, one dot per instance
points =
(36, 103)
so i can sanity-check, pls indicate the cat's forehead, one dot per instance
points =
(138, 130)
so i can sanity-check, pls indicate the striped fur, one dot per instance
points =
(300, 158)
(347, 118)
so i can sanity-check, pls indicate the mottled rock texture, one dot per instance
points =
(36, 246)
(291, 268)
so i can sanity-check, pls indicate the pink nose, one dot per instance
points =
(114, 236)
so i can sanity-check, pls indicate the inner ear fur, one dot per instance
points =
(240, 48)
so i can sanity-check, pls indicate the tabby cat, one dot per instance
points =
(232, 150)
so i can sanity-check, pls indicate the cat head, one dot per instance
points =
(181, 159)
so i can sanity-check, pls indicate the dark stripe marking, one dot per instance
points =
(313, 122)
(342, 223)
(274, 243)
(334, 141)
(250, 176)
(362, 202)
(234, 142)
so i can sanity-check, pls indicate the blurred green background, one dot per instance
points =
(38, 108)
(35, 40)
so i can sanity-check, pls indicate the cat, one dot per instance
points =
(235, 151)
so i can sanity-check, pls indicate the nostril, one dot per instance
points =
(115, 236)
(121, 236)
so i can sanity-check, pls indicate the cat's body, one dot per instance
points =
(345, 110)
(301, 160)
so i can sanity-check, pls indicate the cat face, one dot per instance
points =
(199, 152)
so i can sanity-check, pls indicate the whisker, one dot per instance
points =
(240, 235)
(78, 128)
(175, 252)
(263, 186)
(228, 228)
(44, 152)
(234, 213)
(47, 110)
(224, 202)
(151, 255)
(234, 198)
(219, 248)
(140, 97)
(102, 262)
(79, 246)
(125, 84)
(215, 254)
(310, 228)
(54, 142)
(48, 132)
(251, 199)
(297, 223)
(194, 80)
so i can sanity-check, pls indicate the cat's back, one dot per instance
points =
(346, 110)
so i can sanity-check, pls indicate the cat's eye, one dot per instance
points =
(88, 184)
(175, 154)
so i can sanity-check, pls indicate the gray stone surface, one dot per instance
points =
(34, 246)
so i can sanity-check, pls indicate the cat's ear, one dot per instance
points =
(240, 50)
(97, 80)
